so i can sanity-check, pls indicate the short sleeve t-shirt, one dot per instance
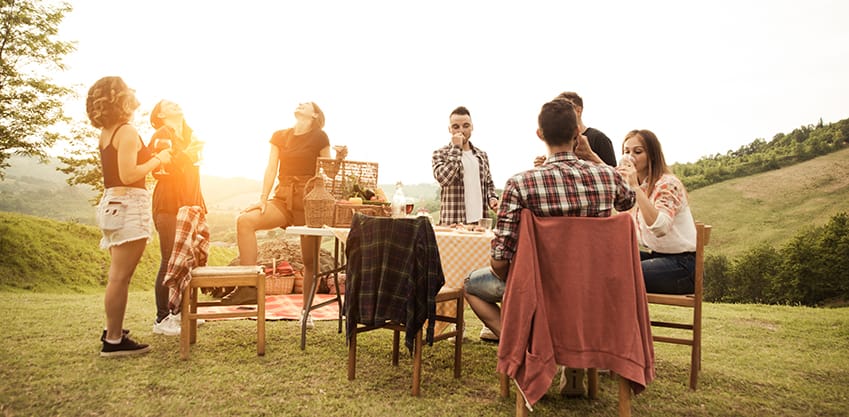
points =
(298, 153)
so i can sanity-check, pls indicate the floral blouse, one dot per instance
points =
(674, 230)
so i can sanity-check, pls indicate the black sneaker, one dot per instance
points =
(124, 332)
(126, 347)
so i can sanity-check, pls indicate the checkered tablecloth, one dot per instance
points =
(460, 253)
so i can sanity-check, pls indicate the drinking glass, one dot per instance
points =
(485, 223)
(161, 144)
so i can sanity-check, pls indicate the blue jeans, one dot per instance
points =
(669, 274)
(483, 284)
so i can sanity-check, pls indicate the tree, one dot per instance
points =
(30, 103)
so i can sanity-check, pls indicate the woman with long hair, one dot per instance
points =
(123, 214)
(662, 214)
(177, 185)
(292, 162)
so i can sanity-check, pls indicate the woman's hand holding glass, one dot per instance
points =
(627, 170)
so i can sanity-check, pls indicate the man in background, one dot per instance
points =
(462, 171)
(590, 139)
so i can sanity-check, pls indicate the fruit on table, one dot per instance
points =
(355, 200)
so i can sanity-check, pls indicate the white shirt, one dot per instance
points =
(472, 187)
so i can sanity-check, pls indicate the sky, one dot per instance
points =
(707, 77)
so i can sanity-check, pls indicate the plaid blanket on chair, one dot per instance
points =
(191, 250)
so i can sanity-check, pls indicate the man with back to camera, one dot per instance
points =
(462, 171)
(563, 185)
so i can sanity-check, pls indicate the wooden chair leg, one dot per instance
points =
(352, 356)
(396, 341)
(504, 388)
(458, 338)
(592, 383)
(521, 410)
(417, 365)
(624, 397)
(260, 319)
(184, 322)
(193, 308)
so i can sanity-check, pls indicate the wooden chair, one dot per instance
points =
(693, 301)
(562, 273)
(221, 276)
(355, 282)
(592, 393)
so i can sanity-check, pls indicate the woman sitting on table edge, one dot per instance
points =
(662, 215)
(292, 160)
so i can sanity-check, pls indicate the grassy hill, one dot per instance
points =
(43, 255)
(773, 206)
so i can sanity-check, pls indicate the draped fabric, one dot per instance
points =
(393, 274)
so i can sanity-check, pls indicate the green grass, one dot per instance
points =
(773, 206)
(758, 360)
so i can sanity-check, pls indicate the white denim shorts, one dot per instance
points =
(123, 215)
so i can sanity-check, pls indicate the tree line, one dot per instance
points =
(802, 144)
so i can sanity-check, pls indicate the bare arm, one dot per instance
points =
(128, 144)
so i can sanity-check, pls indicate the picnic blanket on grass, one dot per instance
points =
(284, 307)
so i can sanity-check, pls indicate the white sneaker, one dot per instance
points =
(488, 335)
(310, 324)
(169, 326)
(178, 318)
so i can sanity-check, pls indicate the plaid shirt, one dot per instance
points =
(563, 186)
(447, 163)
(191, 249)
(393, 274)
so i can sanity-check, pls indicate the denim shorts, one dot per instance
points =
(123, 215)
(483, 284)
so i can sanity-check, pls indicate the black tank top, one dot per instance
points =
(109, 161)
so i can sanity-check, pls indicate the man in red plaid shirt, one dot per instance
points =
(563, 185)
(462, 171)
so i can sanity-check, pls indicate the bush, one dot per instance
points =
(810, 270)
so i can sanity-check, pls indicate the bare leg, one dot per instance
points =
(488, 313)
(309, 245)
(248, 223)
(125, 258)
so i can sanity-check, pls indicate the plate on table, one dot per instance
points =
(469, 232)
(442, 229)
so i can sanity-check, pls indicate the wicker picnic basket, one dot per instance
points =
(340, 175)
(318, 203)
(344, 212)
(278, 280)
(279, 284)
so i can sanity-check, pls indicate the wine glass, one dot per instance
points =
(161, 144)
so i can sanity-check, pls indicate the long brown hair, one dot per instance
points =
(657, 163)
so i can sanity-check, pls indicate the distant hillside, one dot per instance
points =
(43, 255)
(775, 205)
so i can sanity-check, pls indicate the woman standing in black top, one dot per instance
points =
(291, 160)
(124, 211)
